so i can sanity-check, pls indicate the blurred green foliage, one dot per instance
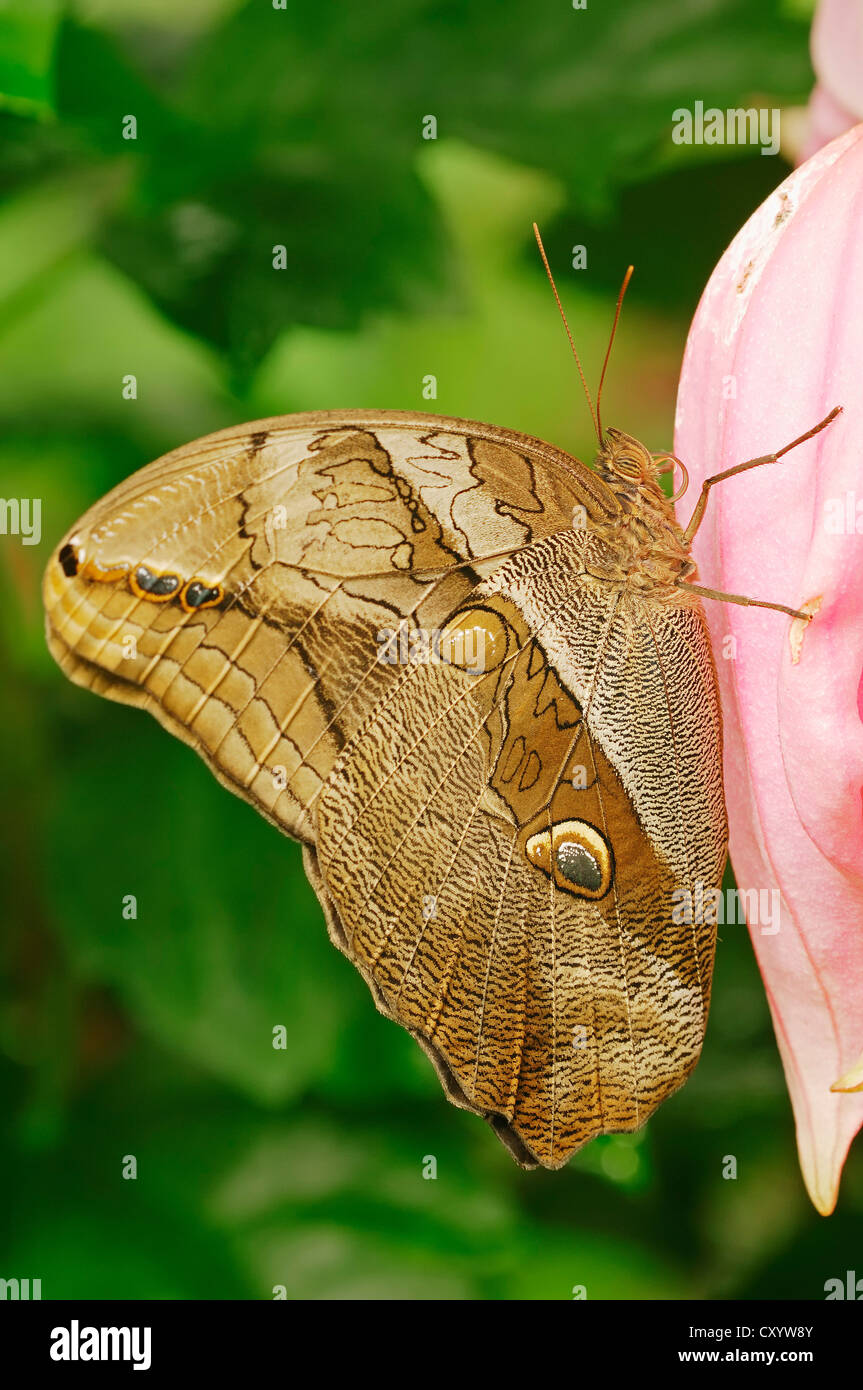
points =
(153, 1037)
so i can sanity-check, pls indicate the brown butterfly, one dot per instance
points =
(473, 677)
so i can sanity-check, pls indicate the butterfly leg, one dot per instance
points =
(739, 598)
(698, 515)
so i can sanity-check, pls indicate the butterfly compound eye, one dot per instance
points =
(628, 466)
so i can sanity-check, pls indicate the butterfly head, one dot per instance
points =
(624, 459)
(632, 470)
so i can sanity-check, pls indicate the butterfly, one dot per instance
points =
(472, 677)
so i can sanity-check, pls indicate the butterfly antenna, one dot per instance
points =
(626, 279)
(593, 413)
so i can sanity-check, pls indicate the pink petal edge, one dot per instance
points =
(780, 317)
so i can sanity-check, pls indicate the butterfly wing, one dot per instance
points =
(242, 588)
(505, 844)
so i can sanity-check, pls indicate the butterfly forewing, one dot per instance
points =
(313, 529)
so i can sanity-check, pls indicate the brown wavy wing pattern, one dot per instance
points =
(556, 1016)
(307, 536)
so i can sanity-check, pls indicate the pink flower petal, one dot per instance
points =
(826, 120)
(837, 52)
(779, 324)
(836, 43)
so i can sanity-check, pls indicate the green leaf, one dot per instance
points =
(40, 230)
(28, 33)
(304, 129)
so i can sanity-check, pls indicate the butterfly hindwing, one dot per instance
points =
(564, 1009)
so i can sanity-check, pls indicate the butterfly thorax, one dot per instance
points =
(652, 550)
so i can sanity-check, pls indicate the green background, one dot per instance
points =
(405, 257)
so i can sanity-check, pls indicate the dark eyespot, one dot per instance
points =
(69, 562)
(578, 866)
(159, 585)
(196, 594)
